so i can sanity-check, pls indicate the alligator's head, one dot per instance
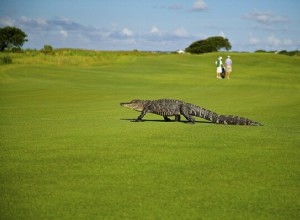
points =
(135, 104)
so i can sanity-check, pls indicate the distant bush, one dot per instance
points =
(295, 52)
(5, 59)
(289, 53)
(47, 50)
(282, 52)
(260, 51)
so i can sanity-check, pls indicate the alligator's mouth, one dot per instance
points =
(126, 104)
(134, 104)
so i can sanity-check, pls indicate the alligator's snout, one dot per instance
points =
(134, 104)
(125, 104)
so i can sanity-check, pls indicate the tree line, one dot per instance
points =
(12, 39)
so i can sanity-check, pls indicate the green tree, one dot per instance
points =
(211, 44)
(48, 49)
(11, 38)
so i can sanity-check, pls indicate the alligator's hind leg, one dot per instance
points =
(185, 112)
(177, 118)
(166, 118)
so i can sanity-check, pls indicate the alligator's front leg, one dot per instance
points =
(177, 117)
(144, 112)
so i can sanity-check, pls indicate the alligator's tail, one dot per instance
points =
(223, 119)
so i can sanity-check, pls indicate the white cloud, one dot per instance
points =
(199, 5)
(175, 7)
(7, 21)
(288, 42)
(32, 22)
(253, 41)
(155, 30)
(170, 7)
(265, 17)
(181, 32)
(273, 41)
(222, 34)
(127, 32)
(41, 21)
(24, 19)
(64, 33)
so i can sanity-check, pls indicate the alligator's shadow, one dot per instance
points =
(157, 120)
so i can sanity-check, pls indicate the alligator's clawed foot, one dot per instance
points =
(137, 120)
(167, 119)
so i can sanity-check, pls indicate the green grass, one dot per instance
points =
(69, 151)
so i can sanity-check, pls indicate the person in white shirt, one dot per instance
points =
(228, 63)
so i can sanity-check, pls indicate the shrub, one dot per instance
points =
(260, 51)
(5, 59)
(48, 49)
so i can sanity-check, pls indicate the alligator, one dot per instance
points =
(171, 107)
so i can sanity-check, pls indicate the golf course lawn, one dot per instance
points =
(70, 151)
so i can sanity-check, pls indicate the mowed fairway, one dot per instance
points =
(70, 151)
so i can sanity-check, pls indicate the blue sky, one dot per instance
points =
(165, 25)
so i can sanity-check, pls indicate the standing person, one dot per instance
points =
(228, 63)
(219, 66)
